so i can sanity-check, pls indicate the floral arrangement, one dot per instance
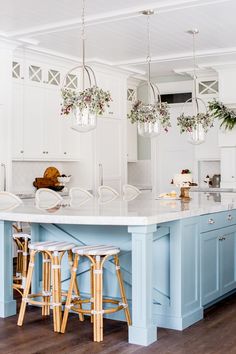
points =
(188, 124)
(150, 113)
(223, 113)
(93, 98)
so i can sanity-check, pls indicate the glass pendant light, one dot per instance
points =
(152, 109)
(197, 134)
(84, 119)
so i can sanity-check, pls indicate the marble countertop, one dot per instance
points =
(143, 210)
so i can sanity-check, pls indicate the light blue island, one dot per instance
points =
(176, 257)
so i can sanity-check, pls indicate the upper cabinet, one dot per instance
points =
(114, 84)
(39, 130)
(132, 137)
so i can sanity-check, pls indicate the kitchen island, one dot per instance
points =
(176, 257)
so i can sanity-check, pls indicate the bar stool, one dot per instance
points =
(22, 242)
(97, 255)
(52, 253)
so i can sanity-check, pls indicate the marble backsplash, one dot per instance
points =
(24, 173)
(139, 173)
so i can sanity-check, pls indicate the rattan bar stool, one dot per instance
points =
(52, 253)
(22, 242)
(97, 255)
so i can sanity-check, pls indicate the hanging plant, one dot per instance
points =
(93, 98)
(188, 124)
(226, 115)
(150, 113)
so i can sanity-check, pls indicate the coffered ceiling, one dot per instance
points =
(116, 31)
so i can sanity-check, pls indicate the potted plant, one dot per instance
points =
(149, 117)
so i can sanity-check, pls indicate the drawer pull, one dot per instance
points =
(230, 217)
(211, 221)
(222, 238)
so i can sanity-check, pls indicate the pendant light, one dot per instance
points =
(150, 114)
(89, 103)
(197, 125)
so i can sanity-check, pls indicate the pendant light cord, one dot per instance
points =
(83, 42)
(148, 58)
(194, 98)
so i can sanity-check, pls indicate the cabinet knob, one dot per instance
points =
(111, 112)
(211, 221)
(230, 217)
(43, 152)
(22, 151)
(65, 152)
(232, 176)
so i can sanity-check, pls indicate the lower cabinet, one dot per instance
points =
(217, 262)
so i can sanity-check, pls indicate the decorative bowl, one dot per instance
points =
(63, 180)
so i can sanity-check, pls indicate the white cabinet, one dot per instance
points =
(228, 167)
(115, 84)
(109, 152)
(217, 261)
(39, 130)
(132, 137)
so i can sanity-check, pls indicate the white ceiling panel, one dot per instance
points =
(116, 32)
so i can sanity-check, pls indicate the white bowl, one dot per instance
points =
(63, 179)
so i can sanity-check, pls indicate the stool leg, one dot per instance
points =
(98, 316)
(76, 287)
(91, 291)
(25, 259)
(56, 290)
(26, 290)
(18, 258)
(69, 295)
(122, 290)
(46, 284)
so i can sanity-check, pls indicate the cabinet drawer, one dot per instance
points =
(217, 220)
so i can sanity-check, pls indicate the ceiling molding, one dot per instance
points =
(179, 56)
(125, 14)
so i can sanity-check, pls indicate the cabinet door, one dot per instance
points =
(109, 152)
(70, 140)
(34, 122)
(210, 267)
(227, 260)
(132, 138)
(52, 123)
(17, 120)
(228, 167)
(115, 86)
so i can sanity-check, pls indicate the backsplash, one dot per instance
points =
(207, 168)
(24, 173)
(139, 173)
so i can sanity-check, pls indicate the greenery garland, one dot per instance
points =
(188, 124)
(223, 113)
(93, 98)
(150, 113)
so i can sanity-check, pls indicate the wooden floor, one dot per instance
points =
(216, 334)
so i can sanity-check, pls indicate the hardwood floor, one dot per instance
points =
(213, 335)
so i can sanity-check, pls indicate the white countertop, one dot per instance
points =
(144, 210)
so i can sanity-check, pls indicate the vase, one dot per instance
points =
(197, 136)
(149, 129)
(83, 121)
